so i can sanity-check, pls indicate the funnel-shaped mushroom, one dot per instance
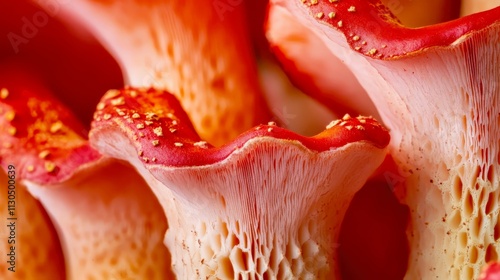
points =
(188, 48)
(267, 205)
(109, 223)
(437, 88)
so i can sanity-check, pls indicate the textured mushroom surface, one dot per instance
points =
(109, 223)
(437, 88)
(267, 205)
(197, 50)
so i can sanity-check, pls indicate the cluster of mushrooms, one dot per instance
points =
(193, 167)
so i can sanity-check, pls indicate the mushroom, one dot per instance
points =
(198, 50)
(23, 256)
(267, 205)
(436, 87)
(109, 223)
(312, 67)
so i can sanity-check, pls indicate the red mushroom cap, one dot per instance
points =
(39, 135)
(162, 133)
(382, 36)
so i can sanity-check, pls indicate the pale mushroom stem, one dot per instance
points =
(109, 223)
(445, 120)
(455, 195)
(24, 255)
(274, 219)
(446, 140)
(198, 50)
